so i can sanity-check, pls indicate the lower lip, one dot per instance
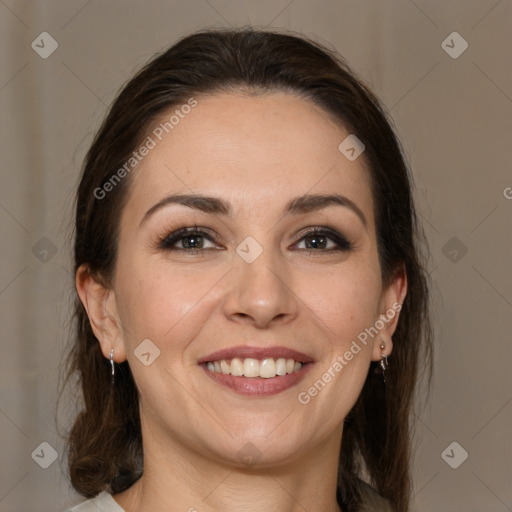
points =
(257, 386)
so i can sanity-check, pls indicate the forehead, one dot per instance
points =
(253, 151)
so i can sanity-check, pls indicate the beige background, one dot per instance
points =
(454, 120)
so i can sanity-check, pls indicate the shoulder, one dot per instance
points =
(101, 503)
(373, 501)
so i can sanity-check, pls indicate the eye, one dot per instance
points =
(317, 240)
(191, 239)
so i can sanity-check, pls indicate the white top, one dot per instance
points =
(102, 503)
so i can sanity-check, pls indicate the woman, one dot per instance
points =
(252, 303)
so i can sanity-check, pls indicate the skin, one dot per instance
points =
(256, 152)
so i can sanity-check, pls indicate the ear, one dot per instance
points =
(100, 304)
(390, 305)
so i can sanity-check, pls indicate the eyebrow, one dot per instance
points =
(213, 205)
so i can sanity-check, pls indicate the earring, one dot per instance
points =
(383, 362)
(112, 364)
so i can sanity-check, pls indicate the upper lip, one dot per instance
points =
(245, 351)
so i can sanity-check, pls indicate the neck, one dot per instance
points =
(176, 479)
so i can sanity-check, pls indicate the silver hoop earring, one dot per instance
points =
(112, 363)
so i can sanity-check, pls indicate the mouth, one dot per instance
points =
(255, 371)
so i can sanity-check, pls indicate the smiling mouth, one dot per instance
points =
(257, 371)
(265, 368)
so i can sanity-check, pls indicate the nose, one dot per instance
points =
(261, 292)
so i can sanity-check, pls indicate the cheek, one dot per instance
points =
(159, 304)
(346, 301)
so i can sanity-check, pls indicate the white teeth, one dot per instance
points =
(249, 367)
(224, 367)
(268, 368)
(281, 366)
(237, 368)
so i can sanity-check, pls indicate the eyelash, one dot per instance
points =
(168, 241)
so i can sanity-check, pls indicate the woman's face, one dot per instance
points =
(253, 277)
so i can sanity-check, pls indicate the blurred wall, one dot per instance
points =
(452, 108)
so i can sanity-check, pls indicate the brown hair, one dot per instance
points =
(105, 444)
